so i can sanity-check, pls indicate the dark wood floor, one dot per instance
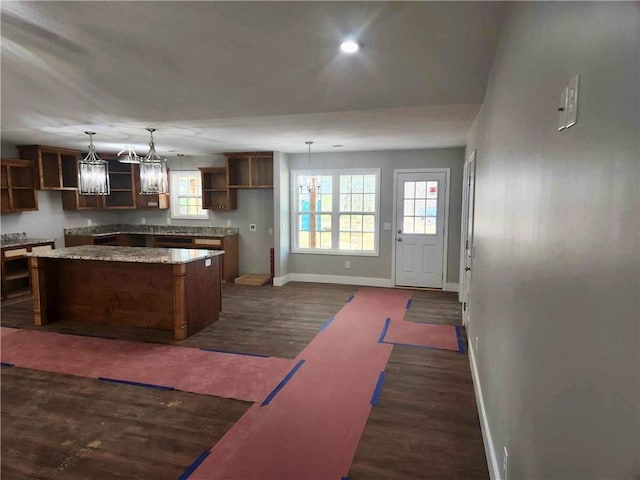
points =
(57, 426)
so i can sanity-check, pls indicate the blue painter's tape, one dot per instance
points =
(350, 298)
(137, 384)
(384, 331)
(192, 468)
(416, 346)
(409, 302)
(326, 324)
(5, 364)
(235, 353)
(281, 385)
(344, 478)
(376, 392)
(460, 339)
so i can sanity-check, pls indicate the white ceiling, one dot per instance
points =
(225, 76)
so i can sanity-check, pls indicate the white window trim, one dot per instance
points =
(335, 211)
(173, 193)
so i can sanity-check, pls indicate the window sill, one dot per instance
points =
(353, 253)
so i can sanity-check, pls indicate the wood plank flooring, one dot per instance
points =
(55, 426)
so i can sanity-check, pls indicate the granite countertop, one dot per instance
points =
(19, 239)
(177, 230)
(129, 254)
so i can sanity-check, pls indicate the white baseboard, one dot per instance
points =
(339, 279)
(450, 287)
(489, 448)
(281, 281)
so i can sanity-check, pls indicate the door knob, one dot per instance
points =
(467, 269)
(399, 231)
(399, 239)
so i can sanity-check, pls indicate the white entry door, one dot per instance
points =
(420, 228)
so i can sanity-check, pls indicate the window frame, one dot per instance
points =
(335, 211)
(174, 199)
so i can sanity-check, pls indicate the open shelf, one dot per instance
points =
(57, 168)
(18, 181)
(216, 194)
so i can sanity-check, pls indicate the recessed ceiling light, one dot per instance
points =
(349, 46)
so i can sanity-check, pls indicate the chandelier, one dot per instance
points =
(93, 172)
(153, 171)
(132, 156)
(308, 184)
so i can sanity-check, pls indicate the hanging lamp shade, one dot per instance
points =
(153, 171)
(93, 172)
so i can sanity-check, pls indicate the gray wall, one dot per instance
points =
(282, 199)
(254, 206)
(554, 295)
(387, 161)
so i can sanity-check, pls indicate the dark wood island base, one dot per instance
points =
(168, 289)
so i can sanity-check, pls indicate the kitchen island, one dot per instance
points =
(165, 288)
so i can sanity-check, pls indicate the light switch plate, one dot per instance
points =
(207, 262)
(572, 102)
(562, 109)
(252, 227)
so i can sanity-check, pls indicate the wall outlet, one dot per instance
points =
(505, 465)
(252, 227)
(168, 220)
(89, 222)
(143, 221)
(347, 264)
(228, 223)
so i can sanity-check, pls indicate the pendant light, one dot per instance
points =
(93, 172)
(153, 171)
(308, 184)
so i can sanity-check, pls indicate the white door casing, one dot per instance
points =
(420, 228)
(467, 256)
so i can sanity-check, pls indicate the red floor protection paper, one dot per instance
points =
(192, 370)
(311, 429)
(427, 335)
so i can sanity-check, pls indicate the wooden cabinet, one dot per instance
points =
(216, 194)
(249, 170)
(16, 280)
(57, 168)
(122, 183)
(154, 200)
(228, 243)
(18, 182)
(123, 180)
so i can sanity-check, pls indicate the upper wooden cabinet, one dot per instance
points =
(250, 169)
(158, 201)
(57, 168)
(18, 181)
(216, 194)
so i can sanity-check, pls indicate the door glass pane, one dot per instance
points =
(430, 226)
(432, 189)
(409, 189)
(421, 189)
(408, 208)
(407, 225)
(420, 208)
(419, 225)
(432, 208)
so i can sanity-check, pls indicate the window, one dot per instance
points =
(186, 195)
(336, 212)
